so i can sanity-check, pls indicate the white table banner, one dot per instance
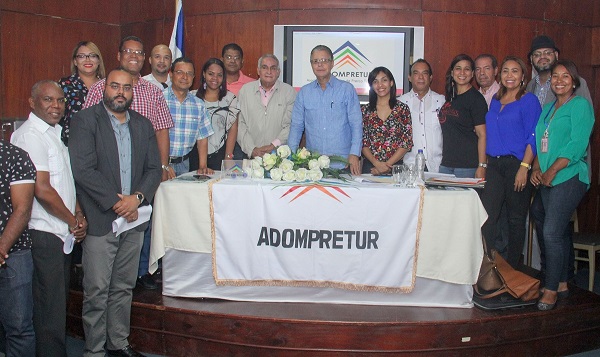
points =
(296, 235)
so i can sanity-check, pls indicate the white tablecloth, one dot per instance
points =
(449, 252)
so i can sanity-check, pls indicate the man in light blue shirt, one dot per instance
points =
(328, 111)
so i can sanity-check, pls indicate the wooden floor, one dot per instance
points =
(209, 327)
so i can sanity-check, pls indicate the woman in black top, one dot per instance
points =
(462, 119)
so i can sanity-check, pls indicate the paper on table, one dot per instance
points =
(120, 224)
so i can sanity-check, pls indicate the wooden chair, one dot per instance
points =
(589, 242)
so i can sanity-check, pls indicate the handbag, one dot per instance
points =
(496, 277)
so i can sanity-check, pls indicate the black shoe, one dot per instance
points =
(147, 282)
(126, 351)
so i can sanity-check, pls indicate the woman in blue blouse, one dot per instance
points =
(562, 136)
(87, 68)
(510, 150)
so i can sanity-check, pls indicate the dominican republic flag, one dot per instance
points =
(176, 44)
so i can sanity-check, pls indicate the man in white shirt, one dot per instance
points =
(54, 217)
(424, 106)
(486, 70)
(160, 63)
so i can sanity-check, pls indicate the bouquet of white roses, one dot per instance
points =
(285, 166)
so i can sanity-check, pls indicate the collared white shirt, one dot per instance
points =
(150, 78)
(48, 153)
(426, 129)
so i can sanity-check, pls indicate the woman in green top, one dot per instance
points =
(562, 135)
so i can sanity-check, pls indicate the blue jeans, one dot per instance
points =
(16, 304)
(560, 202)
(457, 171)
(182, 167)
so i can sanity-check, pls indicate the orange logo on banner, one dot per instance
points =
(318, 187)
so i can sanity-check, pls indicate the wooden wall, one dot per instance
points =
(37, 37)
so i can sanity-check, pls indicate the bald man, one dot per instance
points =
(160, 62)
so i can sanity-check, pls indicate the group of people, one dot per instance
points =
(96, 146)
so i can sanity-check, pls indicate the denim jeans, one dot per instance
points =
(182, 167)
(457, 171)
(560, 202)
(16, 304)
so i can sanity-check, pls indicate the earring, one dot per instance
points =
(204, 85)
(522, 83)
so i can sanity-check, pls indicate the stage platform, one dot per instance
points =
(209, 327)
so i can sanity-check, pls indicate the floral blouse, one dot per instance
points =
(75, 94)
(385, 137)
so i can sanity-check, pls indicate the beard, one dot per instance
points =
(545, 67)
(113, 105)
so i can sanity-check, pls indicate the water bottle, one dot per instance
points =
(420, 164)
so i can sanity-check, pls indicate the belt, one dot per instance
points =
(503, 157)
(178, 159)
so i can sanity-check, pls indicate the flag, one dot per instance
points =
(176, 44)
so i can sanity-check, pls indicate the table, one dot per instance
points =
(449, 252)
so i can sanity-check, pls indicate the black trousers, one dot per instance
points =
(499, 189)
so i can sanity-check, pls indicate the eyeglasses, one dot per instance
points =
(546, 53)
(129, 51)
(230, 57)
(91, 56)
(181, 73)
(125, 87)
(320, 60)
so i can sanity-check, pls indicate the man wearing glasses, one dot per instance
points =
(265, 110)
(149, 101)
(192, 126)
(116, 167)
(232, 56)
(328, 112)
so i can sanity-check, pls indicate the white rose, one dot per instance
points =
(276, 174)
(286, 165)
(269, 161)
(313, 164)
(284, 151)
(315, 175)
(258, 173)
(289, 176)
(303, 154)
(324, 161)
(301, 174)
(256, 163)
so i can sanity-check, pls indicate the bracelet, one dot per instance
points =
(482, 164)
(524, 164)
(228, 156)
(165, 167)
(76, 225)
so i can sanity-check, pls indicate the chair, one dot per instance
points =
(589, 242)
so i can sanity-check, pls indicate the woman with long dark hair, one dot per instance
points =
(510, 127)
(462, 119)
(561, 172)
(387, 126)
(222, 109)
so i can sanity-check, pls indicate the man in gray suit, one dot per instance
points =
(116, 166)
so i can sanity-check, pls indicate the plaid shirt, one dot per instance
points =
(147, 100)
(191, 122)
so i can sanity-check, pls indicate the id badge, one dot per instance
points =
(544, 144)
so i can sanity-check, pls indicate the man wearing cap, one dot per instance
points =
(543, 55)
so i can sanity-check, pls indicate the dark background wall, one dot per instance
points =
(37, 37)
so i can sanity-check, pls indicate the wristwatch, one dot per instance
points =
(140, 197)
(165, 167)
(524, 164)
(482, 164)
